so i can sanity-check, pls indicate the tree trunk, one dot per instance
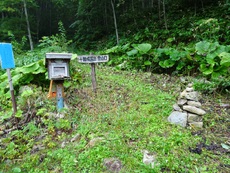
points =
(165, 19)
(133, 6)
(106, 17)
(143, 4)
(195, 8)
(133, 10)
(115, 21)
(202, 4)
(28, 26)
(159, 9)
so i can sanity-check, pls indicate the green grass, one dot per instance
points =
(129, 115)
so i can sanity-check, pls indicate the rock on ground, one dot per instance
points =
(178, 118)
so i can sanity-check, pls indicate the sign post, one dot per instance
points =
(93, 59)
(7, 62)
(93, 74)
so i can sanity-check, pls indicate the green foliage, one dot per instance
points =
(56, 43)
(18, 46)
(169, 57)
(213, 59)
(32, 73)
(206, 29)
(208, 59)
(221, 85)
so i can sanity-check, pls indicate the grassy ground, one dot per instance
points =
(127, 116)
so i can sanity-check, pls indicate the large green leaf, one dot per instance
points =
(41, 69)
(167, 63)
(206, 69)
(147, 63)
(112, 50)
(132, 52)
(220, 71)
(30, 68)
(180, 65)
(225, 59)
(211, 58)
(204, 47)
(125, 47)
(175, 55)
(16, 78)
(142, 48)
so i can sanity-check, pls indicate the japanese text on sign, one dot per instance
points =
(93, 58)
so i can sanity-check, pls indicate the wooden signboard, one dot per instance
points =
(93, 59)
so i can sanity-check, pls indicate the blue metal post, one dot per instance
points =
(60, 99)
(7, 62)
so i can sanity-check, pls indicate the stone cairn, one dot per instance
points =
(187, 110)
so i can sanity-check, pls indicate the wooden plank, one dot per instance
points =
(93, 58)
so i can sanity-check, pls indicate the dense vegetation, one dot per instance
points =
(151, 44)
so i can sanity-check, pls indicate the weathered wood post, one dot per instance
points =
(93, 75)
(7, 62)
(92, 60)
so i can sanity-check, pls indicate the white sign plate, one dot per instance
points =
(93, 58)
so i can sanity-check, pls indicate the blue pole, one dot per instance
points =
(60, 99)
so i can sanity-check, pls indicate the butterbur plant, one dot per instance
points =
(170, 58)
(139, 56)
(214, 59)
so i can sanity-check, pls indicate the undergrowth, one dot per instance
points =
(126, 116)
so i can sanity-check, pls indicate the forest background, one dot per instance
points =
(180, 36)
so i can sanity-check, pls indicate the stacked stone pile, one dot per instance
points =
(187, 110)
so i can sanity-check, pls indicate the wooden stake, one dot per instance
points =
(93, 74)
(12, 91)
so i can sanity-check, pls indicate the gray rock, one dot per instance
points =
(191, 95)
(59, 115)
(94, 141)
(190, 85)
(177, 108)
(181, 102)
(194, 103)
(178, 118)
(63, 144)
(76, 137)
(196, 124)
(183, 94)
(148, 158)
(194, 118)
(183, 79)
(189, 89)
(223, 105)
(37, 148)
(113, 164)
(194, 110)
